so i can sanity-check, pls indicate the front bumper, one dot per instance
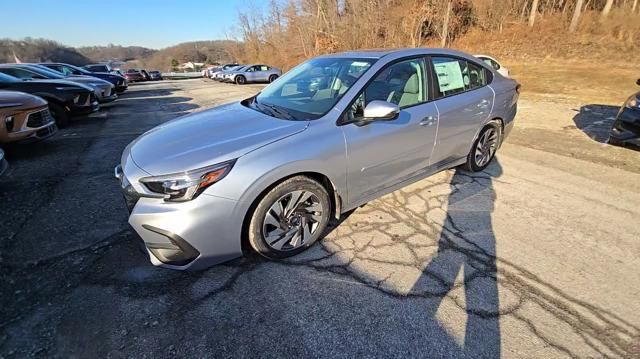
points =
(626, 127)
(4, 165)
(85, 107)
(185, 236)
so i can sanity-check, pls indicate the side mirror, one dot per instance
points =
(381, 111)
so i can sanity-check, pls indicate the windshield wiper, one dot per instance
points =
(279, 110)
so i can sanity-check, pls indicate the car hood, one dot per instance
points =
(89, 81)
(19, 100)
(208, 137)
(63, 83)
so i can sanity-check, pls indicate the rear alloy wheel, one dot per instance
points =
(484, 148)
(241, 80)
(272, 78)
(289, 218)
(59, 114)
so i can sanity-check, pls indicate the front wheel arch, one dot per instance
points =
(334, 198)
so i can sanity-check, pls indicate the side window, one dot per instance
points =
(264, 68)
(454, 76)
(402, 83)
(21, 74)
(64, 70)
(473, 75)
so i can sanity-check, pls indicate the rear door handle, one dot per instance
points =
(427, 121)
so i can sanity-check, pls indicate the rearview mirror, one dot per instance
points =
(381, 111)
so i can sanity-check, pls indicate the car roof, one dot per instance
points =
(380, 53)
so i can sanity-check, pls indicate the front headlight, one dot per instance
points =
(185, 186)
(633, 103)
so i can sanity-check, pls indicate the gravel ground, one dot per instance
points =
(537, 256)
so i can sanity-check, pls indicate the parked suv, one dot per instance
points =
(118, 81)
(99, 68)
(24, 118)
(66, 99)
(271, 170)
(103, 90)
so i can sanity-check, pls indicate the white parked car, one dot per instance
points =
(494, 64)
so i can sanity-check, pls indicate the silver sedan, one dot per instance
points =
(337, 131)
(253, 73)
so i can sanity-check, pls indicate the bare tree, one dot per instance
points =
(534, 11)
(445, 25)
(576, 16)
(633, 7)
(607, 8)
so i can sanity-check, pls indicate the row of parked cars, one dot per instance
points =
(132, 75)
(242, 74)
(37, 98)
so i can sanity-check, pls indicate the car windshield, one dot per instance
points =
(45, 71)
(75, 68)
(7, 78)
(311, 89)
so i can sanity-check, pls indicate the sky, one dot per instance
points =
(154, 24)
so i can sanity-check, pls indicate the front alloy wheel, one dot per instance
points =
(290, 218)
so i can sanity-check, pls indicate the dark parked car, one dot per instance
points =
(155, 75)
(626, 128)
(134, 75)
(145, 74)
(66, 99)
(99, 68)
(104, 90)
(69, 70)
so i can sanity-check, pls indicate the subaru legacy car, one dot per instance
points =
(269, 172)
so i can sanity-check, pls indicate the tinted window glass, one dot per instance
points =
(473, 75)
(311, 89)
(18, 73)
(455, 76)
(401, 83)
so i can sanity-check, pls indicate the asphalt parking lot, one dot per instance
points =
(537, 256)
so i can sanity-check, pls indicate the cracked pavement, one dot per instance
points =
(537, 256)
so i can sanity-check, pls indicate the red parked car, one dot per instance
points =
(134, 75)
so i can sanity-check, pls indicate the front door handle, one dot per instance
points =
(427, 121)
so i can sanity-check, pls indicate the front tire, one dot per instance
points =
(59, 114)
(290, 218)
(484, 148)
(241, 80)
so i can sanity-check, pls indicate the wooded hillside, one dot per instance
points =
(294, 30)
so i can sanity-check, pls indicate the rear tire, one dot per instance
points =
(241, 80)
(272, 78)
(484, 148)
(290, 218)
(60, 114)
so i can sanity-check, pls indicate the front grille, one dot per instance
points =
(46, 132)
(38, 119)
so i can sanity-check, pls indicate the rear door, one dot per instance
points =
(464, 101)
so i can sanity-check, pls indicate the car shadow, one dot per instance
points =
(596, 121)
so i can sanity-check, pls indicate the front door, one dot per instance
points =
(383, 153)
